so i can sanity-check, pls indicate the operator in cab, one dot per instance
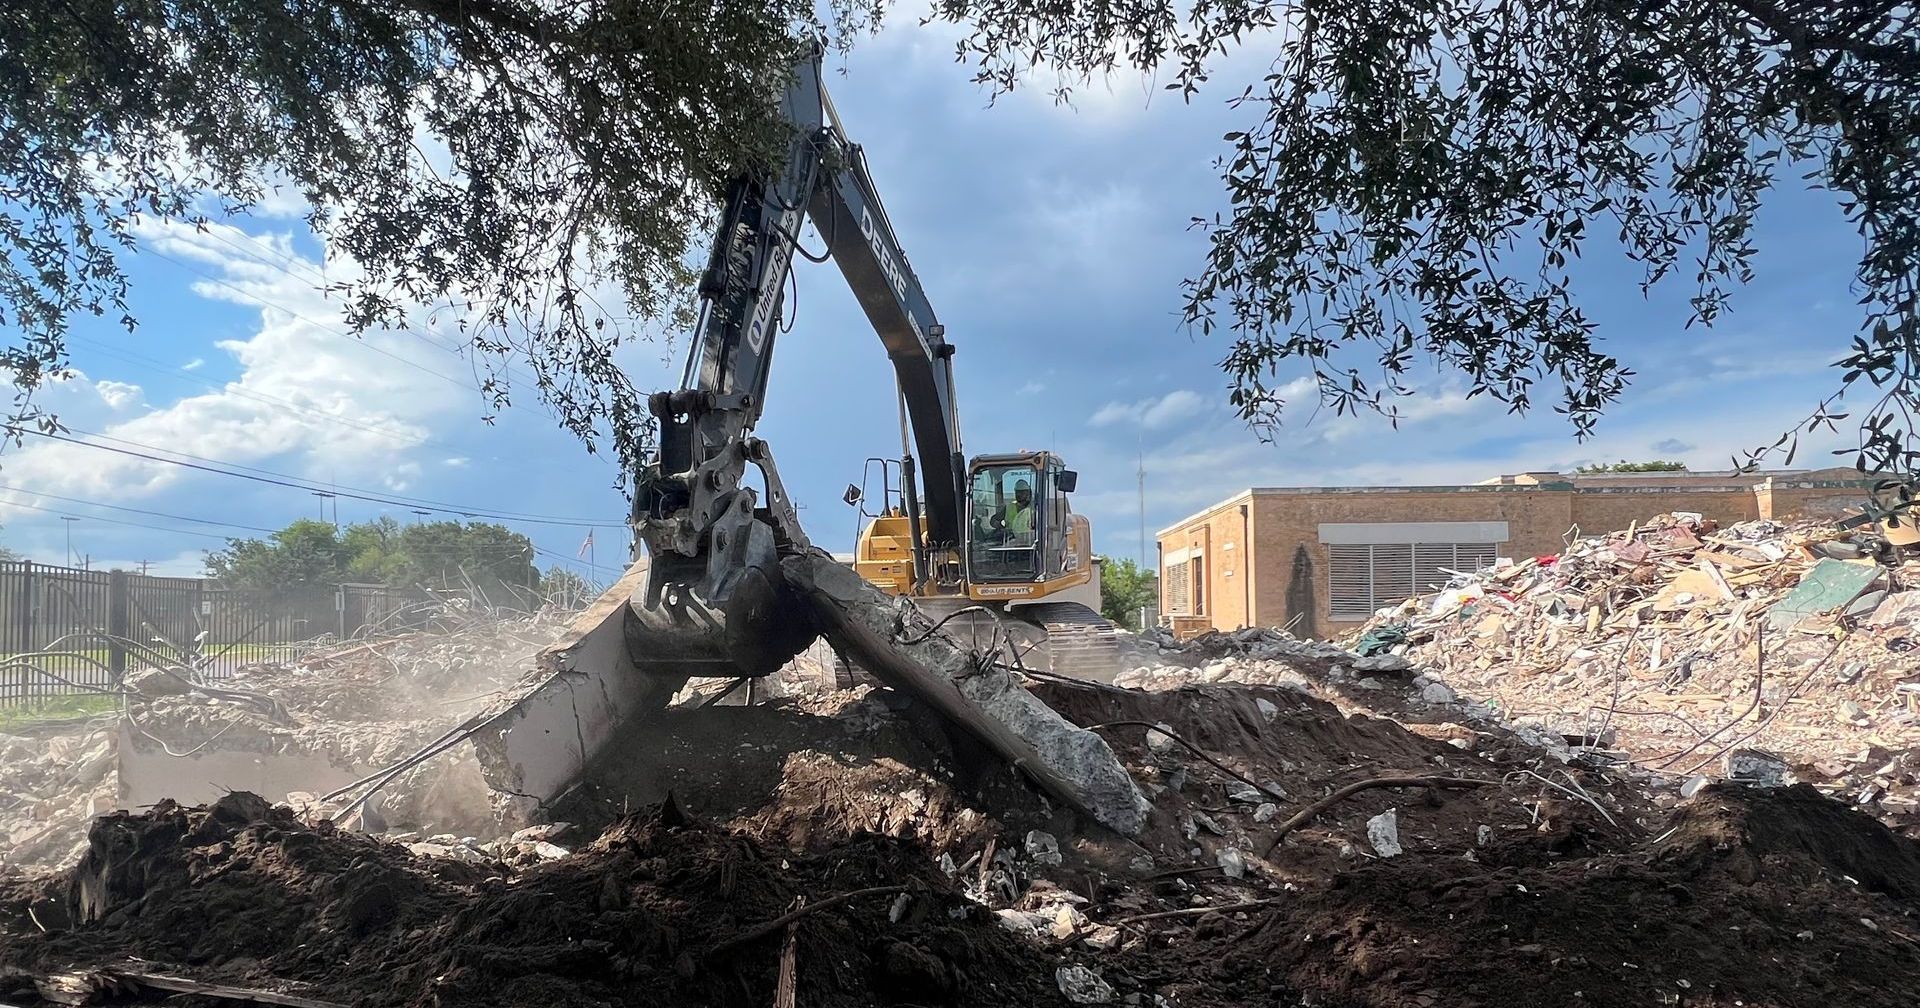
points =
(1019, 516)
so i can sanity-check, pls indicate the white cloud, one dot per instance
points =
(1032, 388)
(194, 364)
(335, 406)
(117, 394)
(401, 476)
(457, 462)
(1152, 412)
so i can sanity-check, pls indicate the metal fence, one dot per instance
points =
(67, 632)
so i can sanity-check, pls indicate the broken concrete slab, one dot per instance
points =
(585, 690)
(1071, 763)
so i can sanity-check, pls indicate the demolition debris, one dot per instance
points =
(1320, 825)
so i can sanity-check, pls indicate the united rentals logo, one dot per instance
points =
(772, 280)
(1008, 591)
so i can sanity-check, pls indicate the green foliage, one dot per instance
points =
(306, 552)
(566, 589)
(1624, 466)
(1125, 587)
(1412, 181)
(1414, 177)
(515, 162)
(445, 554)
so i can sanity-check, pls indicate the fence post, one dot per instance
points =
(119, 628)
(24, 612)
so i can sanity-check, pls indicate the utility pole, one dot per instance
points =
(144, 564)
(324, 497)
(69, 520)
(1142, 472)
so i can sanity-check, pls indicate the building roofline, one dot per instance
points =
(1508, 488)
(1246, 494)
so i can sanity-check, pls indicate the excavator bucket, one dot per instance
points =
(591, 685)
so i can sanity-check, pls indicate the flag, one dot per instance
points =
(587, 545)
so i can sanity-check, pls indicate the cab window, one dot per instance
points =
(1004, 519)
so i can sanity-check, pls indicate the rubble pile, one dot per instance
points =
(1321, 827)
(1759, 651)
(1275, 866)
(331, 715)
(53, 779)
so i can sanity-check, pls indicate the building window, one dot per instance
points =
(1365, 577)
(1177, 585)
(1199, 572)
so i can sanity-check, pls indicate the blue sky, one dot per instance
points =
(1052, 242)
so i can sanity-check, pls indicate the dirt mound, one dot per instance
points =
(242, 893)
(1744, 903)
(1760, 833)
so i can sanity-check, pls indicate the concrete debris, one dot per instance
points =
(1042, 847)
(1066, 921)
(1232, 863)
(1020, 922)
(1382, 663)
(1752, 766)
(1265, 812)
(1081, 985)
(1383, 832)
(1161, 741)
(1693, 786)
(1101, 938)
(1630, 645)
(1244, 793)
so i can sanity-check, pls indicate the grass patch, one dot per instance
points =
(63, 708)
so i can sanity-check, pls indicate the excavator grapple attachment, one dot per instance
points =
(595, 683)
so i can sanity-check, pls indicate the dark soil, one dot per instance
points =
(1551, 886)
(241, 893)
(1746, 901)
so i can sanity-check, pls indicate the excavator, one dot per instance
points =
(986, 556)
(995, 533)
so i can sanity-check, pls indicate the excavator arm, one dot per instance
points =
(725, 585)
(714, 596)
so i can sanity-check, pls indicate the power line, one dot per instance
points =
(403, 500)
(114, 521)
(390, 502)
(140, 511)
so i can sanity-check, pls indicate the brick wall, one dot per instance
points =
(1597, 510)
(1782, 501)
(1284, 574)
(1290, 563)
(1218, 539)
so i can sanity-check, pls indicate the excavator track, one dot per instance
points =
(1079, 642)
(1063, 638)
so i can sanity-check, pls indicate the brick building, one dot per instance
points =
(1322, 559)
